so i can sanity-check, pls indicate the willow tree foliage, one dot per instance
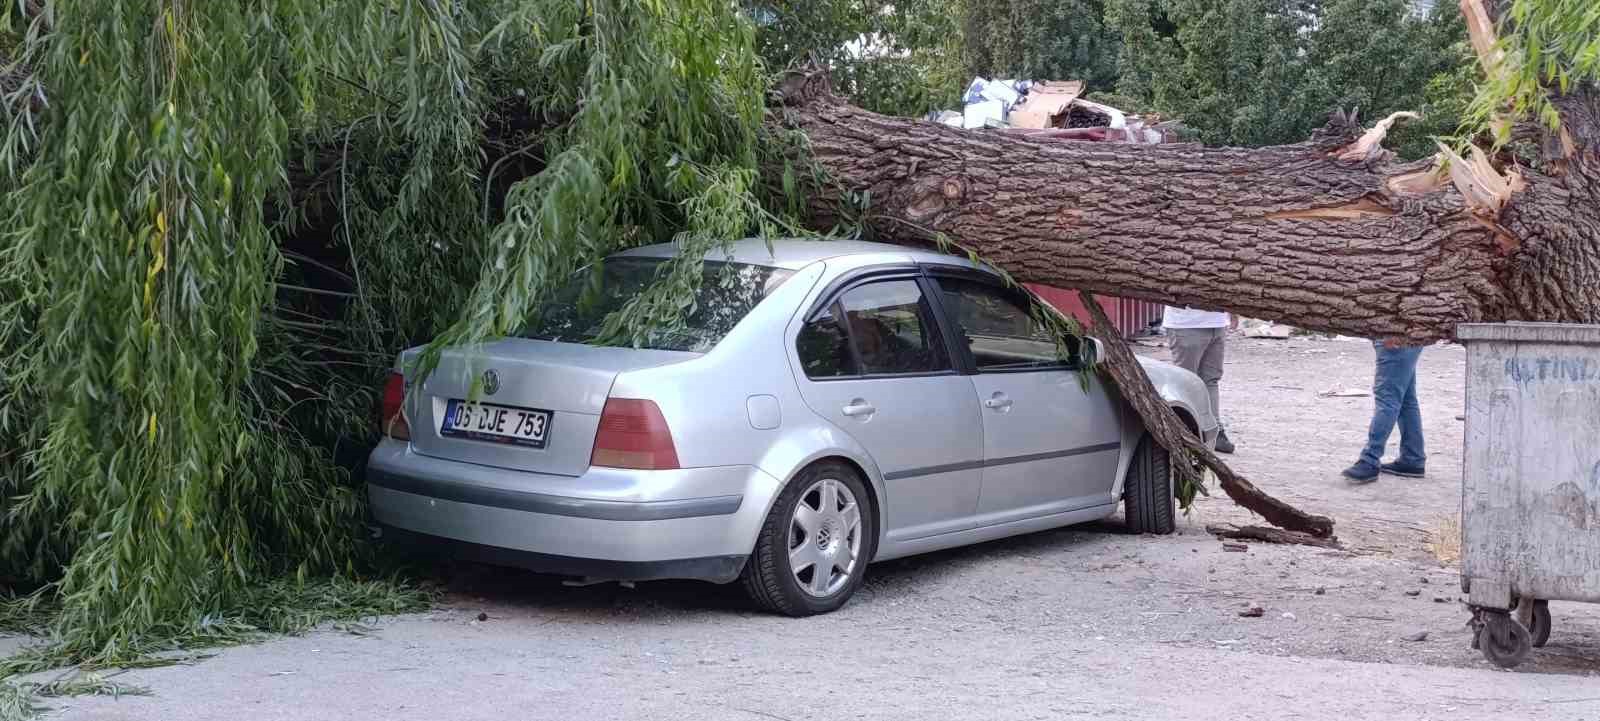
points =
(223, 219)
(1554, 45)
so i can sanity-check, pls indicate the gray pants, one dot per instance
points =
(1199, 351)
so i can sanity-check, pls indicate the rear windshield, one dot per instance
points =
(728, 291)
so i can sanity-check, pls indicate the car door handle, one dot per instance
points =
(999, 402)
(859, 407)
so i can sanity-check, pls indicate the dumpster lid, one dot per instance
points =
(1575, 333)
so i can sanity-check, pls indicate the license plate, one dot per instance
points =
(496, 423)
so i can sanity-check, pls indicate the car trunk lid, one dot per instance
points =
(570, 381)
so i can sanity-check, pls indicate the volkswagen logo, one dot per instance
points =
(491, 382)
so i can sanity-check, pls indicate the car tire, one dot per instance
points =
(1148, 500)
(770, 577)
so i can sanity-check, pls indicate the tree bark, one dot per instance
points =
(1330, 234)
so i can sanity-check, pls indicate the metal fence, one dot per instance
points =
(1131, 317)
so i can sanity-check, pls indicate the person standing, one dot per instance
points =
(1394, 401)
(1197, 339)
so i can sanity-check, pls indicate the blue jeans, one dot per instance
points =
(1394, 396)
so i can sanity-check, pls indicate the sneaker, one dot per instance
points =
(1407, 470)
(1361, 472)
(1223, 445)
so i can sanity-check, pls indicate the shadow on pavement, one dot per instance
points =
(518, 591)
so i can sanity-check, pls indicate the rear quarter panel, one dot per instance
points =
(706, 401)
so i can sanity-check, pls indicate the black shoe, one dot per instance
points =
(1403, 469)
(1223, 445)
(1362, 472)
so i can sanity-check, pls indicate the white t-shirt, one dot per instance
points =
(1190, 318)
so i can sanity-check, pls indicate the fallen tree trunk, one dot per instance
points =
(1329, 235)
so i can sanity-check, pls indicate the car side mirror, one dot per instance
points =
(1092, 351)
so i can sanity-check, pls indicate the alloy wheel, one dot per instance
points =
(825, 538)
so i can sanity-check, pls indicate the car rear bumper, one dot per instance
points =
(717, 569)
(632, 525)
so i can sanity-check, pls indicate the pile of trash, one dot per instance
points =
(1050, 109)
(1253, 328)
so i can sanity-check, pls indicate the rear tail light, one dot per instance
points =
(392, 418)
(633, 434)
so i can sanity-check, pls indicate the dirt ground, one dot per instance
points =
(1078, 622)
(1293, 441)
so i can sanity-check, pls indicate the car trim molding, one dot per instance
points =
(1029, 458)
(931, 470)
(556, 505)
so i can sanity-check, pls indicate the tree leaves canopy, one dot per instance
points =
(1263, 72)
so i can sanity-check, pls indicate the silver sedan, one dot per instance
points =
(828, 404)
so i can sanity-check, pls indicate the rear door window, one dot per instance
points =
(824, 347)
(877, 328)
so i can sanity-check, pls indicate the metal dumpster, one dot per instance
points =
(1530, 506)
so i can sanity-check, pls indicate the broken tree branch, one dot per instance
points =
(1168, 430)
(1270, 535)
(1480, 30)
(1370, 145)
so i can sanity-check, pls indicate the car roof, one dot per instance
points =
(797, 253)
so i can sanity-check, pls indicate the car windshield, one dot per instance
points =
(577, 312)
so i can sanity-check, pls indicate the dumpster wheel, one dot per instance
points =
(1535, 614)
(1504, 641)
(1540, 631)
